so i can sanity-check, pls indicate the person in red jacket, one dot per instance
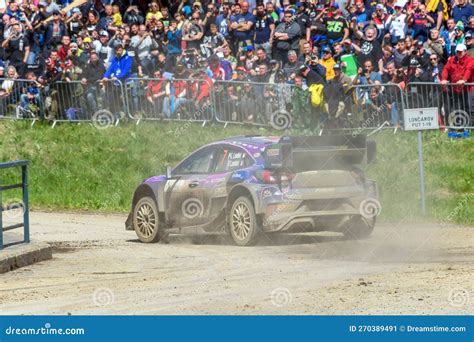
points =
(156, 91)
(459, 70)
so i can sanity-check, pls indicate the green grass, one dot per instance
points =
(78, 167)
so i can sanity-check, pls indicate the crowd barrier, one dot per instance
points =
(279, 105)
(455, 102)
(169, 99)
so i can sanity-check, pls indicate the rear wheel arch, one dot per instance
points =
(237, 192)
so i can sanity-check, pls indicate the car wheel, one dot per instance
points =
(145, 220)
(243, 222)
(359, 228)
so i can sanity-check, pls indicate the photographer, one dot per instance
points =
(213, 42)
(17, 48)
(193, 32)
(146, 50)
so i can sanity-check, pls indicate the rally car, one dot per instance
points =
(250, 185)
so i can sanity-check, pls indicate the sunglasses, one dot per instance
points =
(433, 59)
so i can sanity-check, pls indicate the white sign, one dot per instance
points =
(421, 118)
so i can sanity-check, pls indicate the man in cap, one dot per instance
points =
(469, 43)
(459, 70)
(328, 62)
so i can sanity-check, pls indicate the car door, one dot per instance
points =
(186, 194)
(229, 159)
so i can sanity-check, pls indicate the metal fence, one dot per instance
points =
(455, 102)
(21, 205)
(20, 99)
(279, 105)
(169, 99)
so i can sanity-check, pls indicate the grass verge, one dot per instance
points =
(79, 167)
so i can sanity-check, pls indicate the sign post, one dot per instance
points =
(418, 120)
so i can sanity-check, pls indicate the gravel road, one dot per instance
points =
(99, 268)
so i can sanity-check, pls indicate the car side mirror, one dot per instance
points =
(168, 172)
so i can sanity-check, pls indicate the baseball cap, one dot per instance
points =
(337, 66)
(292, 52)
(104, 33)
(87, 40)
(326, 49)
(56, 12)
(380, 7)
(76, 10)
(468, 35)
(461, 47)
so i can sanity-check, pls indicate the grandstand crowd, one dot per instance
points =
(323, 48)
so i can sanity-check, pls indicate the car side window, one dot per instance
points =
(199, 162)
(231, 159)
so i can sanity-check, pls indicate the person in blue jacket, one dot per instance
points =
(121, 66)
(116, 74)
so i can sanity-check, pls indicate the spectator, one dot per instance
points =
(369, 49)
(286, 37)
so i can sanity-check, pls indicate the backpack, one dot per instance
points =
(227, 69)
(317, 95)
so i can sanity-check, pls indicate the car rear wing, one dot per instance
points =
(327, 152)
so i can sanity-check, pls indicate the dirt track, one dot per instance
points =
(99, 268)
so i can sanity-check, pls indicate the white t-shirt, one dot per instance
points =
(398, 26)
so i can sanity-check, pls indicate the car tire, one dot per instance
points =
(242, 221)
(359, 228)
(145, 220)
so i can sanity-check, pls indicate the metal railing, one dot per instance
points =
(169, 99)
(24, 205)
(20, 99)
(455, 102)
(280, 105)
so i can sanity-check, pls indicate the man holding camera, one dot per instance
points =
(16, 47)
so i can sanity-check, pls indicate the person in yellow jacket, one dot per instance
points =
(328, 62)
(438, 10)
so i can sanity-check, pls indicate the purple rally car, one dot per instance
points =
(250, 185)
